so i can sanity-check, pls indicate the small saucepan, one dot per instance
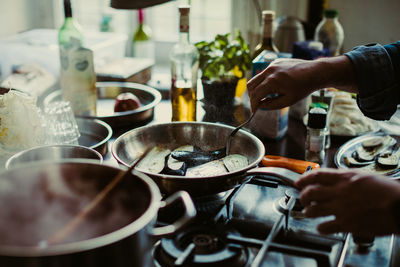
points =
(38, 200)
(207, 136)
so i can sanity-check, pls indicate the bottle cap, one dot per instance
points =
(319, 105)
(268, 15)
(316, 45)
(184, 9)
(330, 13)
(317, 118)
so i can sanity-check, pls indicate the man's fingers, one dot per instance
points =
(330, 227)
(255, 81)
(261, 93)
(318, 210)
(324, 177)
(274, 103)
(317, 193)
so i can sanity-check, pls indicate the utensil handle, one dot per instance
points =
(189, 214)
(296, 165)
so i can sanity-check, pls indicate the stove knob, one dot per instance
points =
(289, 193)
(363, 242)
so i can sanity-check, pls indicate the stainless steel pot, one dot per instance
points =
(208, 136)
(39, 200)
(52, 153)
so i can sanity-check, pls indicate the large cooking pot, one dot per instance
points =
(208, 136)
(37, 201)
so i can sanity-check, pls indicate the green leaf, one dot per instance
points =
(220, 56)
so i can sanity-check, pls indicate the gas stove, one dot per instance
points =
(260, 223)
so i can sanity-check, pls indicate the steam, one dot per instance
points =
(32, 209)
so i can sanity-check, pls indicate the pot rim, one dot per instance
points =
(96, 242)
(9, 162)
(248, 134)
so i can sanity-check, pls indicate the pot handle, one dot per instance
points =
(287, 176)
(189, 214)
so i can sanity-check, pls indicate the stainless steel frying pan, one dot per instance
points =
(208, 136)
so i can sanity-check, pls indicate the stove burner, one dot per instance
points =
(205, 243)
(200, 246)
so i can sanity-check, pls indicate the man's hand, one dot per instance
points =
(362, 203)
(291, 80)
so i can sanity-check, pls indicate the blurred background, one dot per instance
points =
(363, 22)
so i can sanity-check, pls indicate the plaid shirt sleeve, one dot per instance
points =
(377, 76)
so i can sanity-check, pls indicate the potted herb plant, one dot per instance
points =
(223, 61)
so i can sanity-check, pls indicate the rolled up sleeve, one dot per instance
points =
(377, 82)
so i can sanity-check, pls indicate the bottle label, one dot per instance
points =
(78, 80)
(184, 23)
(317, 143)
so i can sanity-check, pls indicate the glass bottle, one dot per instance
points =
(70, 34)
(78, 79)
(184, 68)
(316, 135)
(330, 32)
(267, 42)
(142, 43)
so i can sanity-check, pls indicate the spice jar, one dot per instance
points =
(316, 135)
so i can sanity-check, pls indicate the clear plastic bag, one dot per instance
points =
(21, 122)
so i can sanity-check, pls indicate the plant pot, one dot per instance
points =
(219, 94)
(219, 99)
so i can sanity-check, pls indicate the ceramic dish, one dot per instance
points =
(348, 148)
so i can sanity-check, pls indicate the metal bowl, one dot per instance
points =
(94, 134)
(107, 92)
(53, 153)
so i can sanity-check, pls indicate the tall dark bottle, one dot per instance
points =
(70, 34)
(267, 42)
(78, 79)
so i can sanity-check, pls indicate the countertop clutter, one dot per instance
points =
(256, 212)
(250, 217)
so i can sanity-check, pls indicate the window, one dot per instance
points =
(207, 18)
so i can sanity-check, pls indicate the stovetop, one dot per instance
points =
(260, 223)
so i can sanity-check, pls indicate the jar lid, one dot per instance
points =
(331, 13)
(319, 105)
(317, 118)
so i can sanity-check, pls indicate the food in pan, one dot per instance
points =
(191, 161)
(126, 101)
(377, 153)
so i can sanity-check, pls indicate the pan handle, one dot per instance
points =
(296, 165)
(189, 214)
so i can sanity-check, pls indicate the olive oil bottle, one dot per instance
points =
(184, 68)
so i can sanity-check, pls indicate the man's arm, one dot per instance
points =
(377, 77)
